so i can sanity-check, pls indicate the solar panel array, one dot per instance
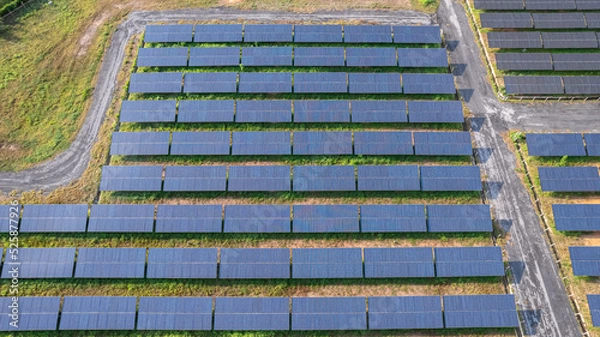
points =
(576, 217)
(594, 304)
(547, 61)
(522, 20)
(537, 5)
(538, 85)
(53, 218)
(98, 313)
(569, 179)
(161, 83)
(468, 262)
(555, 144)
(585, 260)
(480, 311)
(175, 313)
(35, 313)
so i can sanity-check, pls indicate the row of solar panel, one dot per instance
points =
(545, 40)
(261, 313)
(279, 178)
(304, 111)
(563, 144)
(569, 179)
(293, 33)
(261, 82)
(303, 143)
(255, 263)
(289, 56)
(541, 20)
(541, 5)
(594, 304)
(552, 85)
(547, 61)
(576, 217)
(585, 260)
(252, 218)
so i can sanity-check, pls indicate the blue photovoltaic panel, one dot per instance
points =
(140, 143)
(40, 263)
(121, 218)
(159, 83)
(329, 313)
(435, 112)
(327, 263)
(261, 143)
(110, 263)
(257, 219)
(318, 33)
(533, 85)
(182, 263)
(374, 83)
(545, 5)
(392, 218)
(428, 84)
(34, 313)
(459, 218)
(320, 83)
(325, 218)
(594, 304)
(98, 313)
(322, 143)
(451, 178)
(574, 217)
(189, 219)
(399, 262)
(324, 178)
(469, 261)
(379, 111)
(388, 178)
(417, 34)
(383, 143)
(52, 218)
(162, 57)
(195, 178)
(559, 20)
(217, 82)
(175, 313)
(480, 311)
(259, 178)
(147, 111)
(592, 144)
(206, 111)
(265, 82)
(422, 58)
(268, 33)
(499, 5)
(443, 144)
(168, 33)
(250, 313)
(279, 111)
(254, 263)
(215, 57)
(313, 111)
(8, 221)
(587, 5)
(513, 20)
(131, 178)
(569, 179)
(218, 33)
(371, 57)
(319, 57)
(585, 260)
(516, 40)
(200, 143)
(582, 85)
(555, 144)
(406, 312)
(367, 34)
(267, 56)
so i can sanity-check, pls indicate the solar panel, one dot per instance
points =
(585, 260)
(322, 143)
(259, 178)
(195, 178)
(469, 261)
(246, 313)
(215, 57)
(406, 312)
(321, 111)
(268, 33)
(200, 143)
(544, 5)
(7, 211)
(267, 56)
(254, 263)
(110, 263)
(158, 83)
(517, 40)
(189, 219)
(398, 262)
(206, 111)
(257, 219)
(388, 178)
(131, 178)
(555, 144)
(533, 85)
(499, 5)
(569, 179)
(140, 143)
(175, 313)
(326, 263)
(569, 40)
(593, 19)
(383, 143)
(147, 111)
(218, 33)
(220, 82)
(374, 83)
(265, 83)
(428, 84)
(121, 218)
(367, 34)
(573, 61)
(162, 57)
(393, 111)
(168, 33)
(450, 178)
(34, 313)
(98, 313)
(392, 218)
(594, 304)
(523, 61)
(417, 34)
(182, 263)
(422, 57)
(582, 85)
(572, 217)
(459, 218)
(319, 56)
(264, 111)
(329, 313)
(480, 311)
(320, 83)
(435, 112)
(371, 57)
(592, 143)
(325, 218)
(318, 33)
(506, 20)
(262, 143)
(324, 178)
(587, 5)
(559, 20)
(443, 144)
(52, 218)
(39, 263)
